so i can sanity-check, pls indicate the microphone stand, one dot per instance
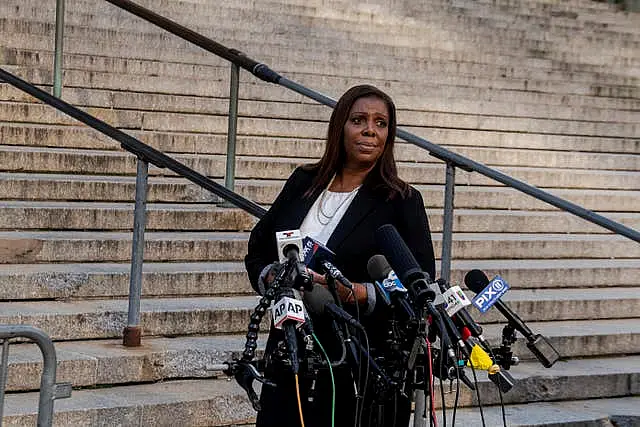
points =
(352, 354)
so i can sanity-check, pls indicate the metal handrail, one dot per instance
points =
(49, 390)
(135, 146)
(265, 73)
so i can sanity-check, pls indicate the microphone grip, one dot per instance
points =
(515, 320)
(292, 345)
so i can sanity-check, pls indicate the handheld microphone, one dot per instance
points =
(320, 301)
(488, 294)
(388, 284)
(314, 253)
(289, 250)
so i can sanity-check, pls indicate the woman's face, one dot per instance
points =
(365, 132)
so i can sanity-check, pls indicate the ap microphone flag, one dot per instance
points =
(288, 308)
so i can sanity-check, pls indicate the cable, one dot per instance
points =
(455, 403)
(433, 420)
(475, 381)
(504, 415)
(366, 372)
(333, 382)
(299, 401)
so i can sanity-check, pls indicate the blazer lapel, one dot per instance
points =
(362, 204)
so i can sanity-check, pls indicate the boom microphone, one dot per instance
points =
(486, 291)
(320, 301)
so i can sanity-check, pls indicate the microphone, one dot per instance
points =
(288, 314)
(314, 253)
(320, 301)
(421, 287)
(289, 245)
(406, 267)
(456, 301)
(318, 257)
(387, 283)
(488, 294)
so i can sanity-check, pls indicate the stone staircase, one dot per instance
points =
(545, 91)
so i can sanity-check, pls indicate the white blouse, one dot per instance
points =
(325, 214)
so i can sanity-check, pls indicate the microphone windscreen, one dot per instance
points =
(317, 298)
(397, 253)
(476, 280)
(465, 333)
(378, 267)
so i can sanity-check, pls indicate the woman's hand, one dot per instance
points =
(317, 278)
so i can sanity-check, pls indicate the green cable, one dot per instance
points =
(333, 383)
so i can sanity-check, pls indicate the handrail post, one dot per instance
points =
(4, 369)
(57, 62)
(133, 332)
(230, 173)
(447, 222)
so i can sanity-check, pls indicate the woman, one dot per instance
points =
(340, 201)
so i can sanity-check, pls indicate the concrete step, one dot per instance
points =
(119, 216)
(98, 319)
(162, 75)
(189, 402)
(83, 96)
(621, 411)
(566, 304)
(497, 67)
(19, 186)
(96, 246)
(292, 18)
(493, 148)
(76, 161)
(160, 359)
(102, 362)
(34, 215)
(576, 338)
(573, 379)
(322, 39)
(283, 62)
(105, 280)
(293, 121)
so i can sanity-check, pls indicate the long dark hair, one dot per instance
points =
(384, 174)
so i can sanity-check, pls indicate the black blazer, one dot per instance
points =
(353, 239)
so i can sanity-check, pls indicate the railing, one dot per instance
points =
(146, 155)
(238, 60)
(49, 390)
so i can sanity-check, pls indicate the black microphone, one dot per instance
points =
(388, 284)
(288, 313)
(404, 264)
(477, 281)
(417, 281)
(320, 301)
